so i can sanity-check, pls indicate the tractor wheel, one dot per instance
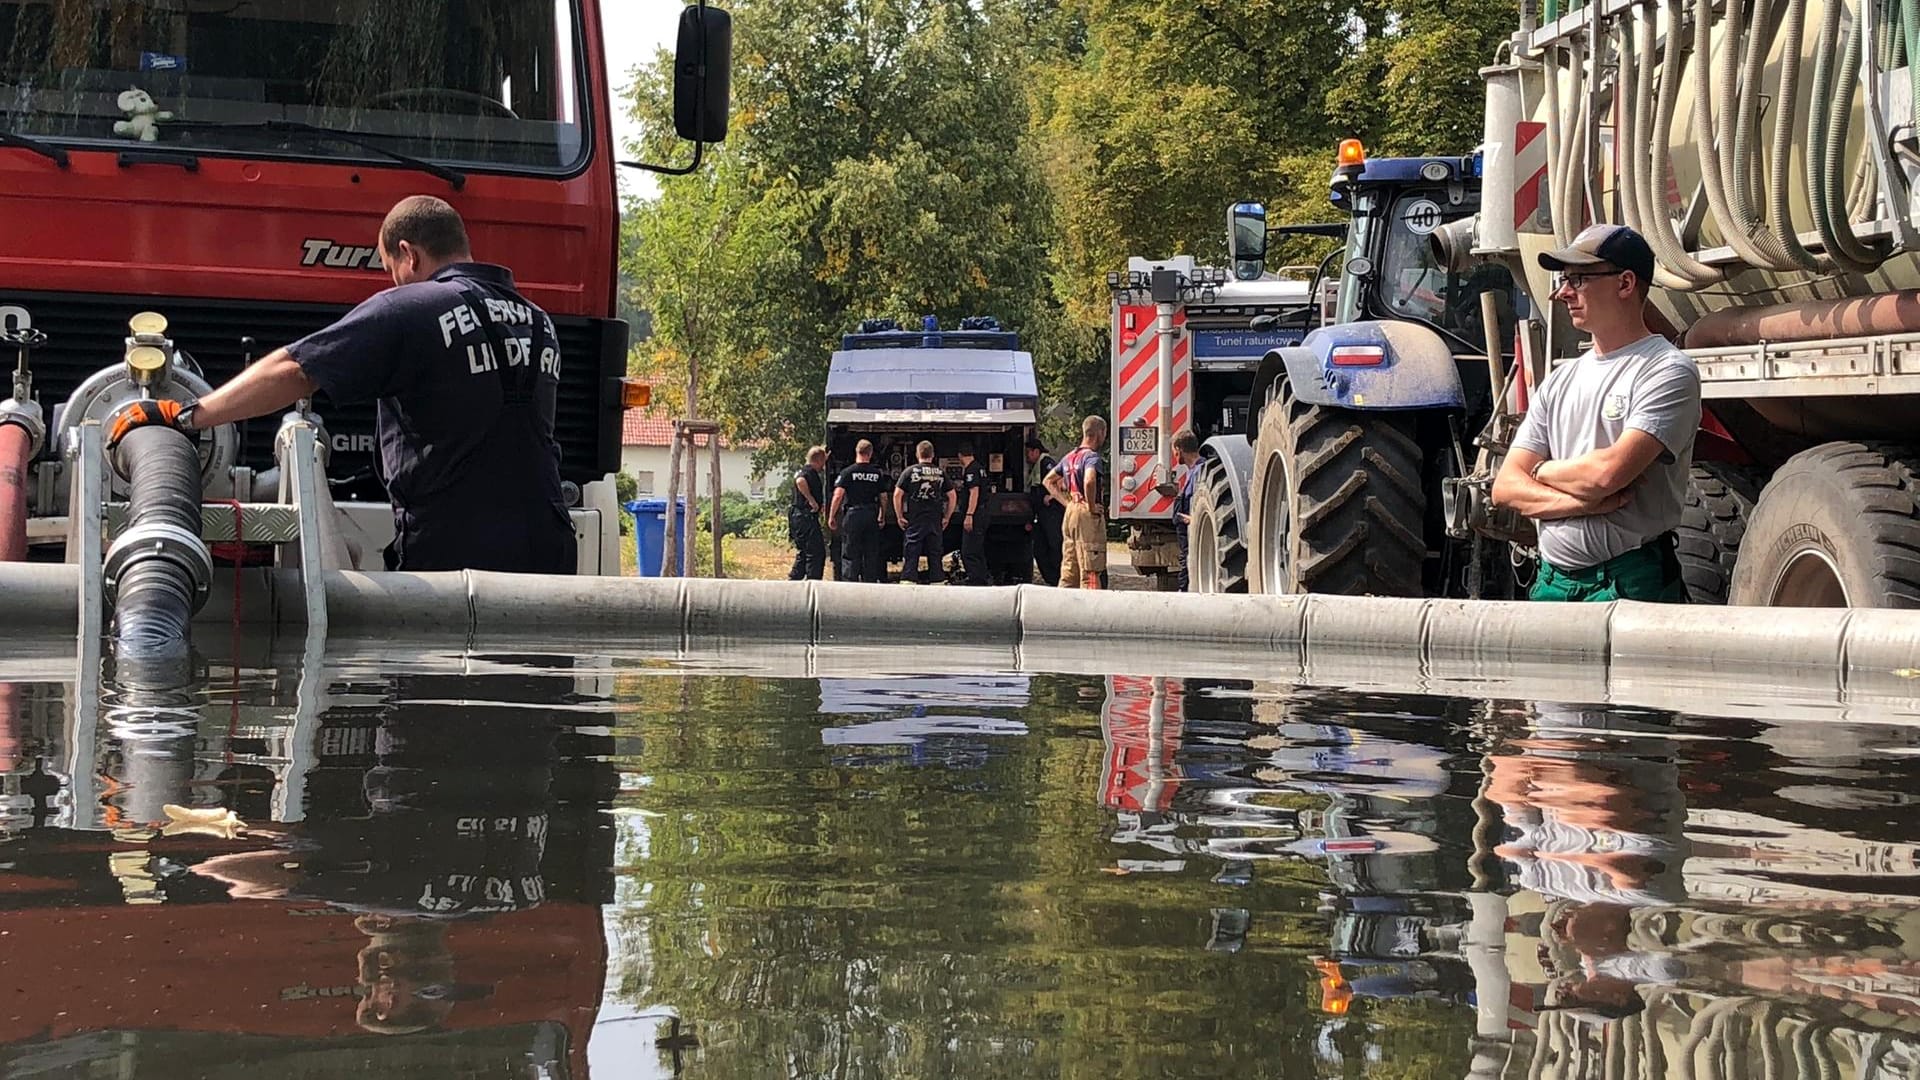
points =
(1216, 549)
(1337, 505)
(1837, 526)
(1713, 520)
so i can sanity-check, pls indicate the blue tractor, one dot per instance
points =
(1335, 484)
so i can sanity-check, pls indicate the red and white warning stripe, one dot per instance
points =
(1530, 165)
(1136, 403)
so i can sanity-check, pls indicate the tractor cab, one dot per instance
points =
(1405, 258)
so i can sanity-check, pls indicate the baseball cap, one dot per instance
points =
(1597, 244)
(1034, 443)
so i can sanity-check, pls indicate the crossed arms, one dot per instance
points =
(1598, 482)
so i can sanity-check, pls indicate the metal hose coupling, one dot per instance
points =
(166, 541)
(26, 414)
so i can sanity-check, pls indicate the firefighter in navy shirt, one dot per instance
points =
(923, 501)
(855, 515)
(803, 518)
(465, 372)
(975, 483)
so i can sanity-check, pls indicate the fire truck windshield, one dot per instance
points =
(487, 84)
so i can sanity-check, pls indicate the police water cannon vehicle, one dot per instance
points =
(969, 386)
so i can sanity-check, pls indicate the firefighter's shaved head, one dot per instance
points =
(420, 235)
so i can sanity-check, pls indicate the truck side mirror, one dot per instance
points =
(702, 74)
(702, 83)
(1247, 240)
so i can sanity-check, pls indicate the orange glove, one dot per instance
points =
(143, 414)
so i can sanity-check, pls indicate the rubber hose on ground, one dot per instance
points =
(154, 596)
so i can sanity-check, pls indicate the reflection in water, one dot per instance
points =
(544, 867)
(434, 909)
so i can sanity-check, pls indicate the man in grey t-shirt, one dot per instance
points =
(1601, 460)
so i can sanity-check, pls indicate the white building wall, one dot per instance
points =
(648, 465)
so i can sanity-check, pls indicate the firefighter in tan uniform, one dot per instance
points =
(1076, 483)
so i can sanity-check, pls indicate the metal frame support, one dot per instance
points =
(86, 526)
(86, 455)
(304, 452)
(310, 700)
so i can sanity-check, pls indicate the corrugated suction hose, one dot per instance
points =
(159, 567)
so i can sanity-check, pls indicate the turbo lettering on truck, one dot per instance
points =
(322, 252)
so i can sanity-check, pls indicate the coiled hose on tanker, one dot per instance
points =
(158, 563)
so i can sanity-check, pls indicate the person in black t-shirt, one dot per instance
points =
(974, 484)
(803, 518)
(1048, 511)
(855, 515)
(466, 372)
(923, 501)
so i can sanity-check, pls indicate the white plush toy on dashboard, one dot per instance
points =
(143, 116)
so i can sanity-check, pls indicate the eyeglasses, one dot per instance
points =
(1578, 282)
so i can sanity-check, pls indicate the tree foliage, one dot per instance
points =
(878, 165)
(911, 157)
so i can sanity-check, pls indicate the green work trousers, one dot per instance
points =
(1648, 572)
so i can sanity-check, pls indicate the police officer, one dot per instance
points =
(855, 515)
(923, 501)
(1048, 511)
(465, 371)
(974, 483)
(803, 518)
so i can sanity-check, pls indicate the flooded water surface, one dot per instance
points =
(532, 866)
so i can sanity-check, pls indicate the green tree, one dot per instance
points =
(878, 164)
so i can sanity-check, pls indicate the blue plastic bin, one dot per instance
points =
(650, 533)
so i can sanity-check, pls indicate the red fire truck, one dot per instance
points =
(228, 166)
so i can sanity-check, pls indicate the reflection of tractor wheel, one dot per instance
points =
(1837, 526)
(1216, 550)
(1337, 504)
(1712, 521)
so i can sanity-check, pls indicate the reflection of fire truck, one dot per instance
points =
(188, 988)
(1140, 726)
(440, 877)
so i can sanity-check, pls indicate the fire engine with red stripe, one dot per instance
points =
(1183, 358)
